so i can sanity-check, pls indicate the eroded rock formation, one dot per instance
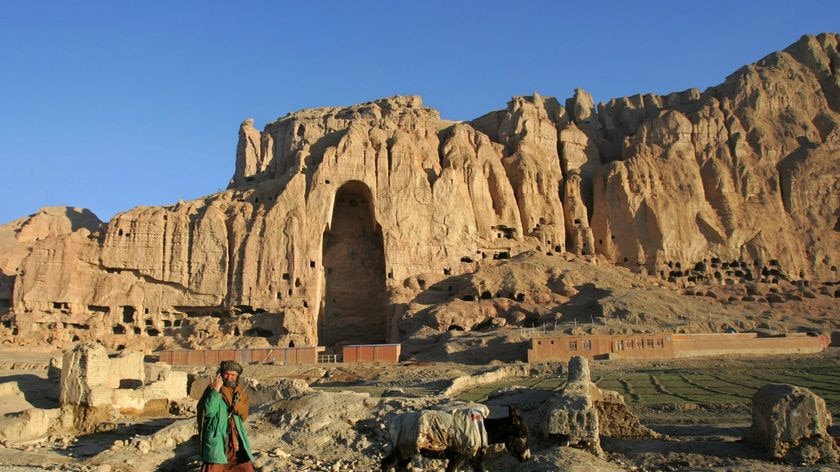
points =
(791, 423)
(335, 218)
(582, 413)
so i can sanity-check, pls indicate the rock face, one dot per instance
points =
(791, 423)
(336, 218)
(18, 237)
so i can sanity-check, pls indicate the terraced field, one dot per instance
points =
(688, 386)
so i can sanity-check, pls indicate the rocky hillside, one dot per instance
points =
(337, 219)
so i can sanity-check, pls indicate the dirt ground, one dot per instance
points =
(338, 425)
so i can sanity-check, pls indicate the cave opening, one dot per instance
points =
(354, 305)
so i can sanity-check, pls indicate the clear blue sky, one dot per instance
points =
(110, 105)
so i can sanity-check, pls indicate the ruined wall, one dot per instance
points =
(90, 379)
(744, 172)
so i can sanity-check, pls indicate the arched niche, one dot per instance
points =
(354, 305)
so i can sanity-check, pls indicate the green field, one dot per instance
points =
(708, 387)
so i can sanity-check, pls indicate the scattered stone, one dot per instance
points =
(278, 452)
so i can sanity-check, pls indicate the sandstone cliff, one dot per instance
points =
(336, 218)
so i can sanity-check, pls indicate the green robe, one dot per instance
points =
(215, 428)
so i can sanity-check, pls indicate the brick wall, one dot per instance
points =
(669, 346)
(212, 357)
(379, 353)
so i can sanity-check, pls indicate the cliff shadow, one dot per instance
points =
(442, 291)
(313, 160)
(585, 304)
(37, 391)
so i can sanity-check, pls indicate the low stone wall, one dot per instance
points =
(467, 382)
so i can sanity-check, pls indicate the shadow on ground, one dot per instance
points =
(37, 391)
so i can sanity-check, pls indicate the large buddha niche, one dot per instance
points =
(353, 309)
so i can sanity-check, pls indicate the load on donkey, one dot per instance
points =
(463, 434)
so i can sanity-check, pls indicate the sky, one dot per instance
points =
(109, 105)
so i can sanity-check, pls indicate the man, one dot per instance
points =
(222, 412)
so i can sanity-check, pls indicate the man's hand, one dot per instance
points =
(216, 383)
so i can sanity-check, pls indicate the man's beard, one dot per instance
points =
(231, 384)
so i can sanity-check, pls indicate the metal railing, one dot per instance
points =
(330, 358)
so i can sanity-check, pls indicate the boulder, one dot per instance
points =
(791, 423)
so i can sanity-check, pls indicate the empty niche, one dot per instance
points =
(353, 313)
(259, 332)
(128, 314)
(99, 309)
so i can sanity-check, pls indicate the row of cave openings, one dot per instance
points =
(725, 271)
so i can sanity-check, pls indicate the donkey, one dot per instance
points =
(442, 440)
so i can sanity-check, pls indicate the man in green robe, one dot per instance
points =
(222, 412)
